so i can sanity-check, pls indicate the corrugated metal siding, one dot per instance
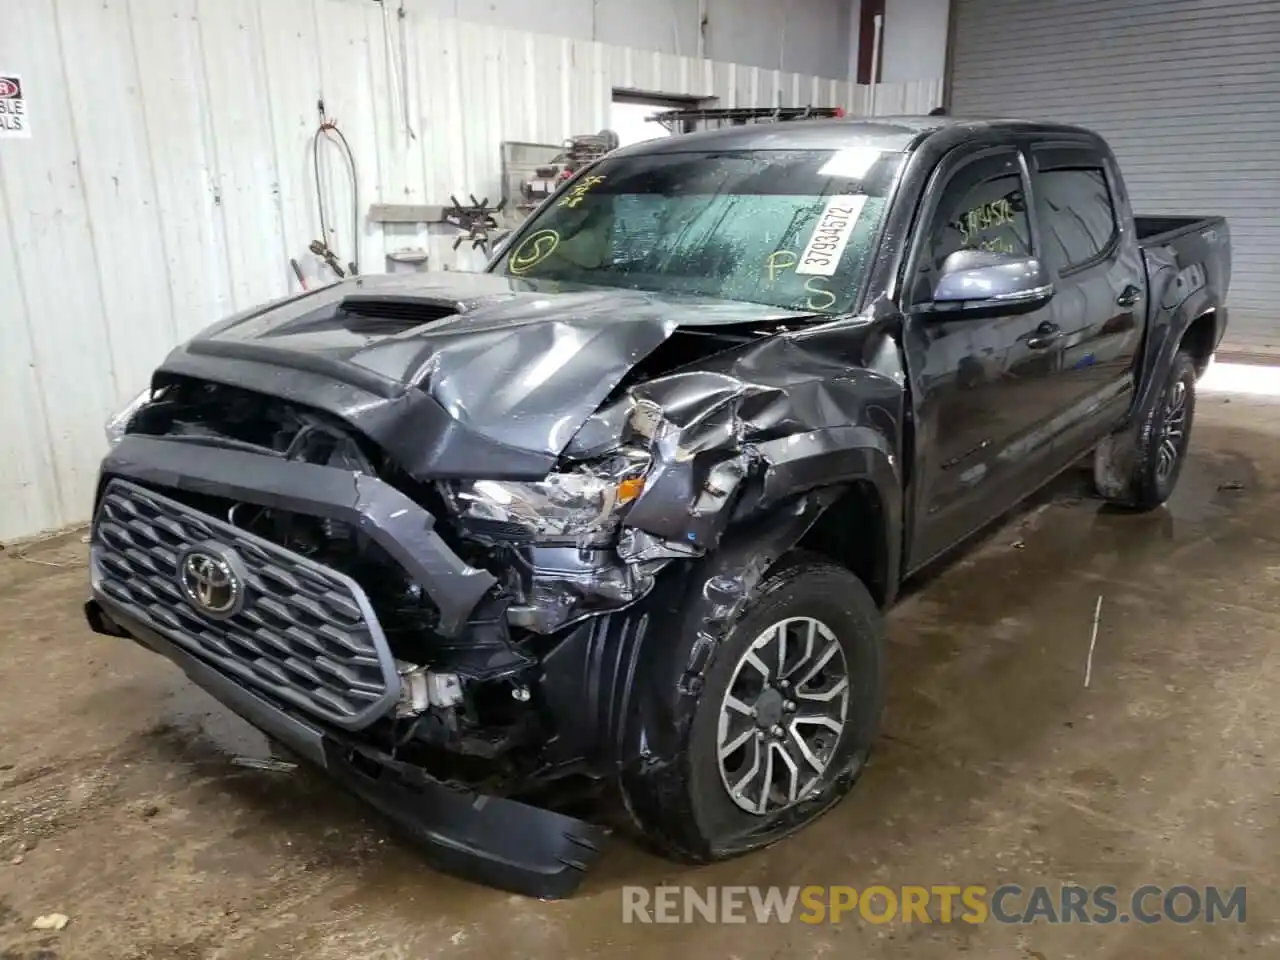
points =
(169, 178)
(812, 34)
(1186, 91)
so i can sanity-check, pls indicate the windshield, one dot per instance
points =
(792, 229)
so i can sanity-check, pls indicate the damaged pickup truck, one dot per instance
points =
(626, 508)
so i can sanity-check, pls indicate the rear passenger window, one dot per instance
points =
(1077, 217)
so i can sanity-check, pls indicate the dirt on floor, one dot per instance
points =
(121, 810)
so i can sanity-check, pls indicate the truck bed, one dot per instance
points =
(1188, 260)
(1153, 231)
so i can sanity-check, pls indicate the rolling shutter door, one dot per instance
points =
(1186, 91)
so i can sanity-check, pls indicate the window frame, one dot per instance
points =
(1050, 158)
(951, 166)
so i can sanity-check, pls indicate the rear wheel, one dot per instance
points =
(1148, 478)
(783, 724)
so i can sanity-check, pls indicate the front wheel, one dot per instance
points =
(783, 724)
(1147, 480)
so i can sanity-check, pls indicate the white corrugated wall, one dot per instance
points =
(168, 180)
(1186, 91)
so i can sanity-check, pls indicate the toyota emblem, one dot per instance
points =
(211, 581)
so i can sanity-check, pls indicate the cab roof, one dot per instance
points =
(905, 133)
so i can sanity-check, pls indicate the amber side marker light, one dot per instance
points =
(629, 489)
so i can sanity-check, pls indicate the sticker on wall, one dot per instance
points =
(14, 121)
(830, 235)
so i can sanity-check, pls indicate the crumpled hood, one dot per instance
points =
(521, 363)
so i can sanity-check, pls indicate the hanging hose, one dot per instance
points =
(328, 130)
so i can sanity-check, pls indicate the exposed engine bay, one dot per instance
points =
(557, 547)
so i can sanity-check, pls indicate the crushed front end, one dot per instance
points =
(300, 579)
(471, 547)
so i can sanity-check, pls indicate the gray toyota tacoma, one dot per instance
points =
(625, 509)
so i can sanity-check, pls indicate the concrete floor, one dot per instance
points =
(119, 808)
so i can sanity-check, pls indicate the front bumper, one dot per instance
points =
(485, 839)
(303, 657)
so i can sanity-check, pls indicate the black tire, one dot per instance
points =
(1149, 476)
(683, 808)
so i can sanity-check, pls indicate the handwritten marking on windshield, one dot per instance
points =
(580, 190)
(777, 262)
(820, 298)
(532, 251)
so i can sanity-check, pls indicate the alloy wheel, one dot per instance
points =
(1173, 432)
(783, 715)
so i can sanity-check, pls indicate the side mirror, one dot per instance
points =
(980, 283)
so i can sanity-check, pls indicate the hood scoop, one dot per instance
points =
(386, 316)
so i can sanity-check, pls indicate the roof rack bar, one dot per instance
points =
(689, 120)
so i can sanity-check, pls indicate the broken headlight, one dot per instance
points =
(119, 422)
(581, 504)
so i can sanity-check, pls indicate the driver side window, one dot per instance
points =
(982, 207)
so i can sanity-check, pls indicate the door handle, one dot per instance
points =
(1129, 296)
(1046, 335)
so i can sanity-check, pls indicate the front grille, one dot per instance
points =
(302, 633)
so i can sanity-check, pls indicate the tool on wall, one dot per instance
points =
(329, 257)
(477, 220)
(575, 153)
(693, 119)
(328, 132)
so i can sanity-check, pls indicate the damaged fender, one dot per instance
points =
(757, 426)
(642, 669)
(685, 631)
(765, 423)
(780, 432)
(748, 455)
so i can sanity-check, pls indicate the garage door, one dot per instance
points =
(1186, 91)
